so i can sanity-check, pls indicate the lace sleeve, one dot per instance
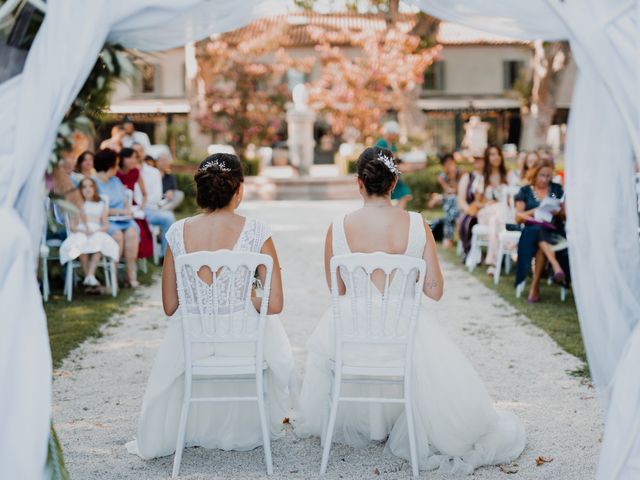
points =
(262, 234)
(174, 238)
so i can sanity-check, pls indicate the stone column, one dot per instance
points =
(300, 120)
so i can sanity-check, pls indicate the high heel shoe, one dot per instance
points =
(533, 298)
(559, 277)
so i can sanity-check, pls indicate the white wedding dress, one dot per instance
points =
(227, 426)
(457, 427)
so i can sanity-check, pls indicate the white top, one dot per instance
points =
(93, 212)
(152, 179)
(417, 237)
(136, 137)
(251, 239)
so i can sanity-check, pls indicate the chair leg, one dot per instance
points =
(412, 433)
(45, 280)
(499, 258)
(507, 263)
(266, 428)
(331, 425)
(68, 282)
(563, 294)
(106, 268)
(182, 430)
(113, 272)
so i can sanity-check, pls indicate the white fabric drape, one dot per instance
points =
(604, 133)
(32, 105)
(602, 224)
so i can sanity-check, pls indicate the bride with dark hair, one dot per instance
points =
(232, 425)
(457, 427)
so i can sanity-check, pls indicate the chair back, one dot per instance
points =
(377, 317)
(223, 311)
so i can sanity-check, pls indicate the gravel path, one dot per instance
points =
(98, 390)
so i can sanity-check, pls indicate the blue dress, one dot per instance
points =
(116, 193)
(533, 234)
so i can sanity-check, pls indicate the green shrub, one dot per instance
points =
(251, 166)
(351, 166)
(188, 186)
(422, 184)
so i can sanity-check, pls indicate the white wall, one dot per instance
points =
(170, 79)
(478, 70)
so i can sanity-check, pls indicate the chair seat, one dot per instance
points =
(225, 365)
(389, 369)
(510, 235)
(480, 229)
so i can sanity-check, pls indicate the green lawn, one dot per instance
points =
(559, 319)
(71, 323)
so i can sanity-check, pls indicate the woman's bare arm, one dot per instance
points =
(169, 285)
(276, 297)
(328, 253)
(434, 280)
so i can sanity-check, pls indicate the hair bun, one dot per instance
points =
(378, 178)
(217, 180)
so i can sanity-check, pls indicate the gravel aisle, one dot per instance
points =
(99, 388)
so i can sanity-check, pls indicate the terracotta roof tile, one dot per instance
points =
(297, 29)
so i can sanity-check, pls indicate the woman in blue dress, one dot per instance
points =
(122, 226)
(539, 238)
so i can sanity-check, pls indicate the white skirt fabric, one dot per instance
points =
(457, 427)
(227, 426)
(79, 243)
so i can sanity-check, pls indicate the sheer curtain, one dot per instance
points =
(604, 136)
(602, 223)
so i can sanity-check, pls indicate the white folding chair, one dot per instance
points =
(506, 242)
(46, 244)
(479, 240)
(388, 331)
(212, 324)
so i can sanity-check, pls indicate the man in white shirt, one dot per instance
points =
(131, 135)
(152, 179)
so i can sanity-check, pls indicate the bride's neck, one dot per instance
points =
(377, 202)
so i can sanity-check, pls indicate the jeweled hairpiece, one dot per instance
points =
(215, 163)
(389, 163)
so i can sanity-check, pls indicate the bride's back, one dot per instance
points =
(373, 229)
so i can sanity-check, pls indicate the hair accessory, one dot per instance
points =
(215, 163)
(389, 163)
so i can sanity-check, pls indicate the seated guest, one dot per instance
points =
(89, 239)
(152, 179)
(529, 159)
(131, 135)
(538, 236)
(129, 175)
(448, 180)
(172, 196)
(494, 211)
(470, 200)
(122, 228)
(115, 142)
(83, 167)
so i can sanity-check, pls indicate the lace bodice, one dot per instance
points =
(198, 296)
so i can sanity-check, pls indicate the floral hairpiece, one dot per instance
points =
(389, 163)
(215, 163)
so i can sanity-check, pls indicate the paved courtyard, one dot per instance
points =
(98, 390)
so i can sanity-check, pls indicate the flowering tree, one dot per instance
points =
(243, 89)
(383, 75)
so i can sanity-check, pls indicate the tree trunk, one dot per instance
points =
(412, 119)
(549, 66)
